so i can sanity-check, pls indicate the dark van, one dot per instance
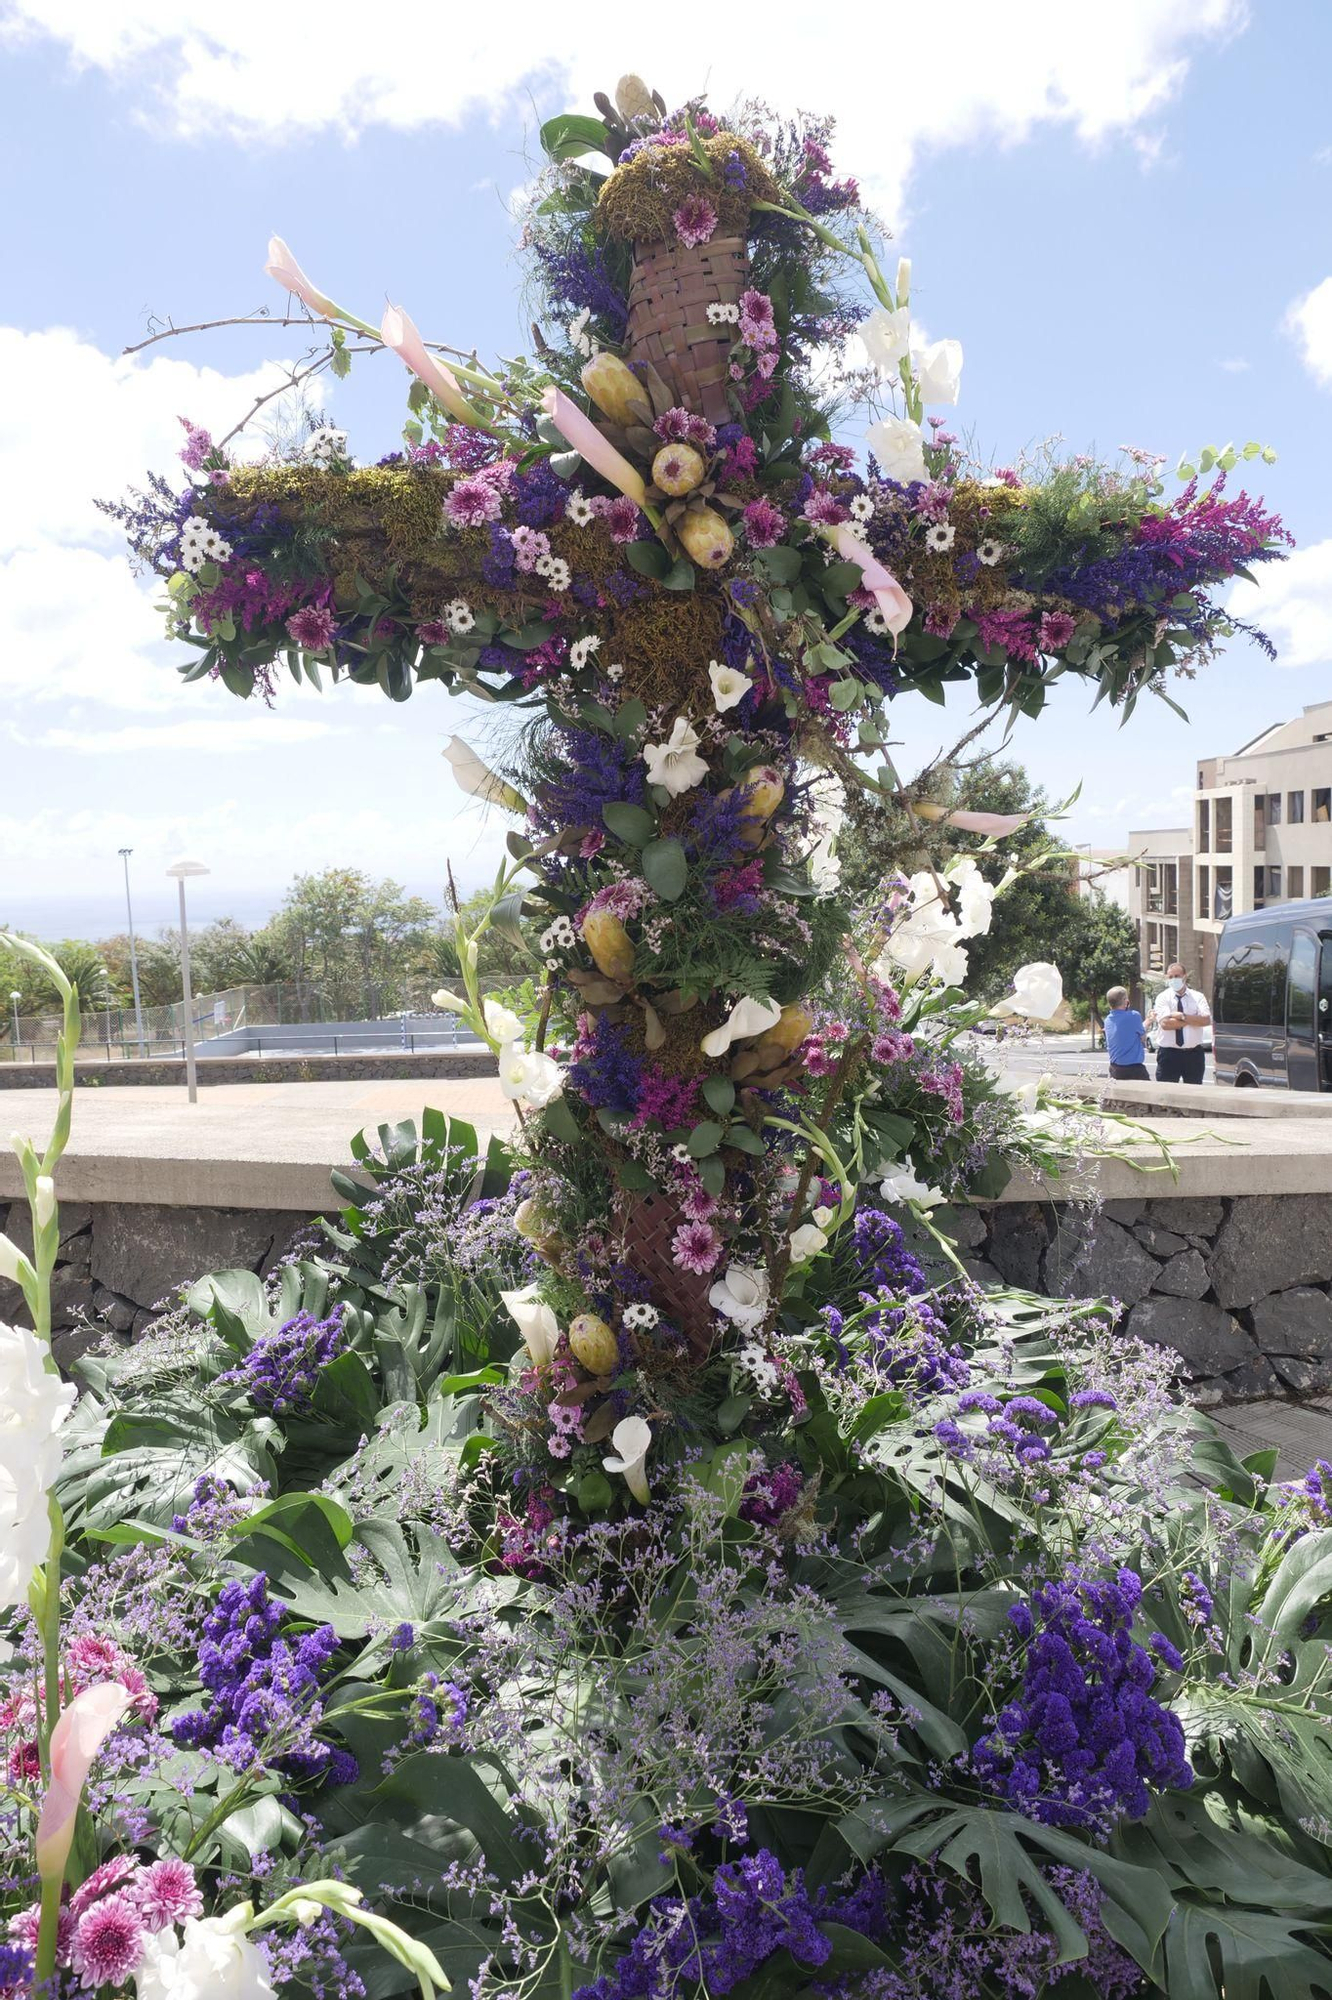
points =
(1272, 998)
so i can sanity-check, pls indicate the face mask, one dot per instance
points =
(1178, 985)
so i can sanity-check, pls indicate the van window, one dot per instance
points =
(1300, 983)
(1245, 987)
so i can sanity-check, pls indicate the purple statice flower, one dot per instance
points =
(1093, 1399)
(607, 1073)
(539, 495)
(715, 835)
(16, 1969)
(212, 1513)
(881, 1249)
(1081, 1742)
(498, 564)
(264, 1704)
(734, 172)
(464, 447)
(588, 770)
(1195, 1600)
(577, 277)
(670, 1100)
(281, 1370)
(771, 1494)
(313, 627)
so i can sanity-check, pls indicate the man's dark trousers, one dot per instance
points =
(1137, 1072)
(1180, 1065)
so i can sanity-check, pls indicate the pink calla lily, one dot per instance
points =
(76, 1739)
(283, 267)
(582, 434)
(997, 824)
(399, 332)
(889, 595)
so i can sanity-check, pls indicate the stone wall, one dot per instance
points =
(1240, 1287)
(214, 1070)
(119, 1260)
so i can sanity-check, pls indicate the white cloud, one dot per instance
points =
(250, 729)
(1235, 365)
(1310, 320)
(76, 626)
(1292, 602)
(255, 71)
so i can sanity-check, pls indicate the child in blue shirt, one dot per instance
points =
(1125, 1036)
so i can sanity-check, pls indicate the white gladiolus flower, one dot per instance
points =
(938, 371)
(903, 1186)
(900, 449)
(806, 1242)
(973, 896)
(46, 1201)
(1038, 989)
(34, 1403)
(535, 1321)
(741, 1295)
(823, 1216)
(829, 813)
(449, 1003)
(13, 1263)
(528, 1076)
(746, 1019)
(632, 1439)
(728, 686)
(478, 779)
(212, 1960)
(675, 764)
(502, 1022)
(886, 337)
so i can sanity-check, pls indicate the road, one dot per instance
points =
(1063, 1056)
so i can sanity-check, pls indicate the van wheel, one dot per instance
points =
(1245, 1083)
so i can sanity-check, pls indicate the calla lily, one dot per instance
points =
(729, 686)
(675, 764)
(535, 1321)
(632, 1439)
(741, 1295)
(399, 332)
(806, 1242)
(76, 1739)
(892, 600)
(970, 822)
(478, 778)
(746, 1019)
(288, 273)
(1038, 990)
(581, 433)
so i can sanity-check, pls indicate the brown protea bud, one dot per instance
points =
(593, 1344)
(677, 469)
(633, 99)
(616, 390)
(706, 537)
(764, 792)
(611, 946)
(788, 1034)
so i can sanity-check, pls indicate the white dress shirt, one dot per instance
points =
(1187, 1003)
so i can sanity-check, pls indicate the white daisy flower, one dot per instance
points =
(544, 564)
(558, 574)
(876, 623)
(552, 965)
(614, 673)
(459, 615)
(682, 1154)
(325, 445)
(196, 529)
(989, 552)
(641, 1314)
(578, 509)
(941, 536)
(581, 651)
(721, 314)
(861, 508)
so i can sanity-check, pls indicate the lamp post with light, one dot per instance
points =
(125, 853)
(179, 871)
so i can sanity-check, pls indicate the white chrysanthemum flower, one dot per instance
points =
(722, 314)
(326, 446)
(641, 1315)
(876, 623)
(459, 616)
(861, 509)
(614, 673)
(941, 536)
(989, 552)
(558, 574)
(578, 509)
(581, 651)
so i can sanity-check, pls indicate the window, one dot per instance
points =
(1204, 826)
(1322, 804)
(1320, 882)
(1152, 883)
(1260, 819)
(1223, 820)
(1259, 886)
(1244, 986)
(1170, 888)
(1300, 978)
(1294, 883)
(1274, 808)
(1224, 901)
(1274, 885)
(1205, 891)
(1295, 808)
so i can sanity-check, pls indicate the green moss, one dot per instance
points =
(639, 199)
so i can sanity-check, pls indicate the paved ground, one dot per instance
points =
(1064, 1056)
(1301, 1432)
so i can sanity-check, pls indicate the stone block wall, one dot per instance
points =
(1240, 1288)
(119, 1260)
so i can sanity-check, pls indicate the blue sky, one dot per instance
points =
(1121, 211)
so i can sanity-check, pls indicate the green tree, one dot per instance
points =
(1100, 950)
(1032, 917)
(351, 938)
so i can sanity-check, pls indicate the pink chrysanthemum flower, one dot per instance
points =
(696, 1246)
(699, 1205)
(695, 219)
(108, 1943)
(622, 519)
(472, 503)
(529, 545)
(678, 426)
(434, 633)
(112, 1874)
(167, 1893)
(764, 524)
(312, 627)
(824, 509)
(1057, 628)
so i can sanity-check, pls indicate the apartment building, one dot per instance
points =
(1261, 834)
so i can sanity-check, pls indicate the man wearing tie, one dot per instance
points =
(1182, 1015)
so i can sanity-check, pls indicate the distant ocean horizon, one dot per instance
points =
(94, 914)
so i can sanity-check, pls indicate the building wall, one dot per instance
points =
(1263, 821)
(1160, 902)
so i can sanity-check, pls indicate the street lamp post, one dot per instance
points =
(180, 870)
(14, 997)
(125, 853)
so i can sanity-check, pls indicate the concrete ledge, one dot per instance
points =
(1209, 1100)
(443, 1065)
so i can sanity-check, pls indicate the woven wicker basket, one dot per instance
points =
(670, 290)
(650, 1221)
